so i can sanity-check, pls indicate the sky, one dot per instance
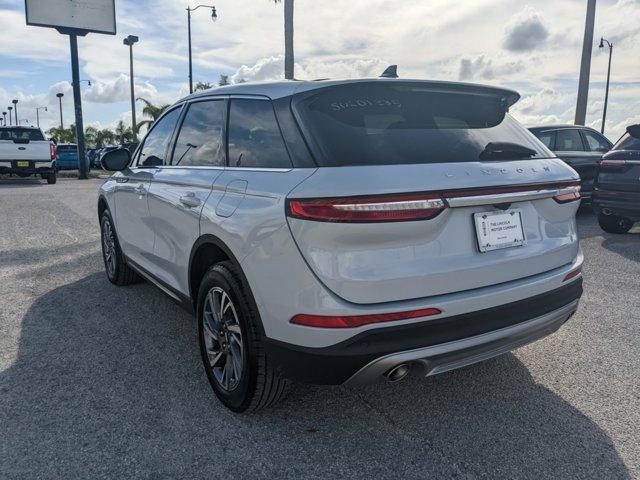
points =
(533, 47)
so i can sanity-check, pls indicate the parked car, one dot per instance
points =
(616, 196)
(93, 157)
(101, 153)
(338, 232)
(581, 147)
(68, 157)
(24, 151)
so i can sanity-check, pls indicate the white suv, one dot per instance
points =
(339, 232)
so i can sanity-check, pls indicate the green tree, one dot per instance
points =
(63, 135)
(123, 133)
(96, 138)
(288, 38)
(202, 86)
(152, 112)
(224, 80)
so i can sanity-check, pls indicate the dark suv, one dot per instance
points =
(580, 147)
(616, 196)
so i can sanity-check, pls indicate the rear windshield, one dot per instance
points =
(31, 134)
(68, 148)
(627, 142)
(376, 124)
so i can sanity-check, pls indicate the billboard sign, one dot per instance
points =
(85, 16)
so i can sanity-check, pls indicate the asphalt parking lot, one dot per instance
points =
(98, 381)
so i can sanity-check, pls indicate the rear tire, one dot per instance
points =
(52, 178)
(234, 335)
(118, 272)
(614, 223)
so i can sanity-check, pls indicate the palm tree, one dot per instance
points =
(152, 111)
(123, 133)
(202, 86)
(288, 38)
(63, 135)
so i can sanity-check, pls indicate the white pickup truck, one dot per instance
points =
(25, 151)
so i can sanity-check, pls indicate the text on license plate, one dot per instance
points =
(497, 230)
(23, 164)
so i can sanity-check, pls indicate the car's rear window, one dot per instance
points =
(31, 134)
(406, 123)
(627, 142)
(67, 148)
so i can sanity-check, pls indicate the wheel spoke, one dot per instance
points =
(236, 359)
(234, 328)
(214, 358)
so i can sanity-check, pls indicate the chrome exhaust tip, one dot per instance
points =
(398, 372)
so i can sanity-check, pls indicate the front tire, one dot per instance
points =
(614, 223)
(230, 344)
(118, 272)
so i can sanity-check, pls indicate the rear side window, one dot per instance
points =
(386, 123)
(627, 142)
(547, 137)
(155, 145)
(201, 138)
(569, 140)
(596, 142)
(255, 140)
(30, 134)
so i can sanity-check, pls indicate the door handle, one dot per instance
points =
(190, 200)
(140, 189)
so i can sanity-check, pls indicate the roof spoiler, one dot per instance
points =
(634, 130)
(390, 72)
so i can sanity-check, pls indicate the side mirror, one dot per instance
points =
(116, 160)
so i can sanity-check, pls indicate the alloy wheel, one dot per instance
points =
(223, 338)
(109, 247)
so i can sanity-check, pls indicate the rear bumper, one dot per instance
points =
(624, 204)
(35, 167)
(435, 345)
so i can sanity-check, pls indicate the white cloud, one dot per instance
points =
(118, 90)
(486, 69)
(525, 31)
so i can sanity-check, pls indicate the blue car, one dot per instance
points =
(68, 157)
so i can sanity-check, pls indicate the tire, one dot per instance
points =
(256, 386)
(614, 223)
(118, 272)
(51, 178)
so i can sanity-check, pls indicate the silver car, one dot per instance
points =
(339, 232)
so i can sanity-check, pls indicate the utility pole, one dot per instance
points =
(10, 118)
(77, 101)
(606, 95)
(130, 41)
(60, 95)
(585, 65)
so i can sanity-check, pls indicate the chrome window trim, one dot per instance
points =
(477, 200)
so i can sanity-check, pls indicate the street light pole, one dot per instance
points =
(60, 95)
(214, 17)
(10, 108)
(4, 119)
(606, 95)
(130, 41)
(38, 114)
(15, 110)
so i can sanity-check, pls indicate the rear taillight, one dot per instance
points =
(388, 208)
(612, 163)
(353, 321)
(53, 151)
(568, 194)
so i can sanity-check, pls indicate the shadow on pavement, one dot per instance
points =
(107, 383)
(21, 182)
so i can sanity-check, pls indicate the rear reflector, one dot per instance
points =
(321, 321)
(388, 208)
(568, 194)
(573, 273)
(53, 151)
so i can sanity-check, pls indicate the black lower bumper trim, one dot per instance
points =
(336, 364)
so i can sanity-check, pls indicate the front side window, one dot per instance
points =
(154, 149)
(384, 123)
(569, 140)
(597, 143)
(255, 140)
(201, 138)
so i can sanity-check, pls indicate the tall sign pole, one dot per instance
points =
(585, 65)
(74, 18)
(77, 103)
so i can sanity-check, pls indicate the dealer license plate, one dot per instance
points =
(498, 230)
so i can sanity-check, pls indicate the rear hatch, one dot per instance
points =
(68, 155)
(426, 189)
(20, 143)
(620, 168)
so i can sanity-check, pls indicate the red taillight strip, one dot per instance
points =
(387, 208)
(353, 321)
(53, 150)
(573, 273)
